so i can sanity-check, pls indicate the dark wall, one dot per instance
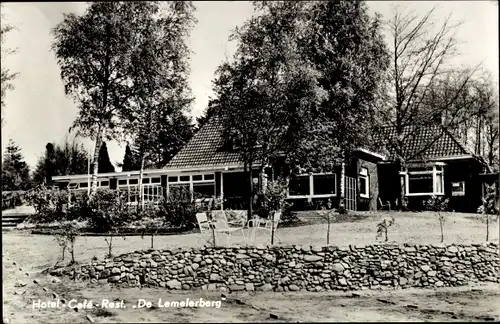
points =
(467, 171)
(236, 188)
(113, 183)
(389, 181)
(365, 204)
(457, 171)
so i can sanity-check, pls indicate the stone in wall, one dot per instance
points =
(297, 268)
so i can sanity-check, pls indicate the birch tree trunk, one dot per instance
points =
(342, 187)
(95, 162)
(141, 176)
(250, 200)
(402, 180)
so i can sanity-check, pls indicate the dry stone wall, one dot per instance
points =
(295, 268)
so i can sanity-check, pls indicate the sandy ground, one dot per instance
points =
(25, 257)
(420, 228)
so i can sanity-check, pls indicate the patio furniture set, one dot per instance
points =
(219, 224)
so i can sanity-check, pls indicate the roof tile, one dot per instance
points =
(205, 149)
(421, 143)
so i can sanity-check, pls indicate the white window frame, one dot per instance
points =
(157, 194)
(363, 174)
(435, 174)
(154, 183)
(118, 185)
(458, 193)
(311, 194)
(156, 187)
(100, 183)
(191, 181)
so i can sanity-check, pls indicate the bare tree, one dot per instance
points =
(475, 121)
(422, 54)
(487, 130)
(492, 139)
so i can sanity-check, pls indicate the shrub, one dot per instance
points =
(214, 205)
(274, 199)
(179, 210)
(107, 211)
(438, 204)
(50, 205)
(12, 199)
(342, 210)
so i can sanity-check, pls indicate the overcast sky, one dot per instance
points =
(37, 110)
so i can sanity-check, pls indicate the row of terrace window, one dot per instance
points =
(200, 185)
(418, 181)
(135, 181)
(86, 185)
(324, 185)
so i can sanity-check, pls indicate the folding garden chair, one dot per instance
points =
(205, 227)
(221, 224)
(270, 225)
(382, 205)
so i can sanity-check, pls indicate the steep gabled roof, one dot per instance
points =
(206, 149)
(421, 143)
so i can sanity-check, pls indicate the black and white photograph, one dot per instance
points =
(250, 161)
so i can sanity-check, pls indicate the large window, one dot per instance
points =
(203, 190)
(364, 183)
(323, 184)
(197, 186)
(152, 193)
(424, 181)
(151, 189)
(313, 186)
(299, 186)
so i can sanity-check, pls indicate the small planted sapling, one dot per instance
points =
(439, 206)
(328, 213)
(151, 224)
(63, 243)
(215, 204)
(66, 238)
(274, 201)
(489, 209)
(383, 228)
(110, 213)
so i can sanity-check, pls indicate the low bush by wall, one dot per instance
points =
(296, 268)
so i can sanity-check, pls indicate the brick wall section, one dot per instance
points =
(369, 203)
(296, 268)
